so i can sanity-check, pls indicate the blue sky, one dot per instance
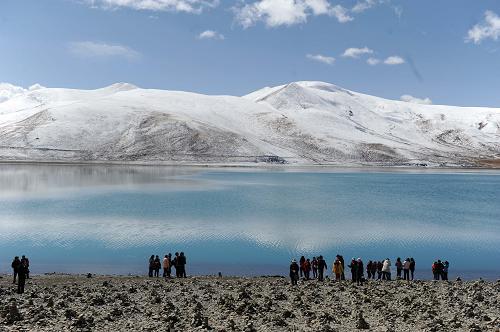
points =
(447, 51)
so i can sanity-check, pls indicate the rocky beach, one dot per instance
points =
(130, 303)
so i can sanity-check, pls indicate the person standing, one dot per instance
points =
(359, 272)
(374, 269)
(26, 261)
(314, 266)
(412, 267)
(22, 273)
(353, 266)
(321, 268)
(294, 272)
(435, 272)
(175, 264)
(166, 266)
(406, 269)
(337, 269)
(16, 263)
(302, 261)
(369, 270)
(182, 265)
(307, 269)
(380, 274)
(341, 259)
(446, 265)
(157, 266)
(399, 267)
(151, 265)
(386, 269)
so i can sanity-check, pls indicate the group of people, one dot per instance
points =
(21, 269)
(178, 262)
(440, 270)
(380, 270)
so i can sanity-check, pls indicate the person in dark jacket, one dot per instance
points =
(399, 267)
(412, 267)
(26, 261)
(379, 270)
(314, 266)
(321, 268)
(15, 267)
(157, 266)
(369, 270)
(22, 273)
(294, 272)
(353, 266)
(359, 272)
(182, 265)
(175, 264)
(151, 265)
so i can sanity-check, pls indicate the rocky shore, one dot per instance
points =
(113, 303)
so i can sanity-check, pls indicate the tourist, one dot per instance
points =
(166, 266)
(359, 272)
(353, 266)
(22, 274)
(314, 266)
(380, 274)
(26, 261)
(369, 270)
(374, 269)
(157, 266)
(341, 259)
(294, 272)
(15, 267)
(182, 264)
(151, 265)
(435, 270)
(386, 269)
(406, 269)
(399, 268)
(307, 269)
(175, 264)
(412, 267)
(321, 267)
(337, 269)
(444, 275)
(302, 261)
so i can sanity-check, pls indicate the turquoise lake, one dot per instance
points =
(246, 221)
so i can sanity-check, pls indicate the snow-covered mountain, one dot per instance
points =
(296, 123)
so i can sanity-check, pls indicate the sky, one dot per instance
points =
(425, 51)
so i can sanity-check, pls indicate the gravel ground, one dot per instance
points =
(116, 303)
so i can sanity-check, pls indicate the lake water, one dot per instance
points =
(110, 219)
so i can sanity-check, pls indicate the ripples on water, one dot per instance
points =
(109, 218)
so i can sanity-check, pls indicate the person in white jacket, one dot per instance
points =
(406, 269)
(386, 269)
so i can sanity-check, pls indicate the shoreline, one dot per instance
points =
(102, 303)
(491, 165)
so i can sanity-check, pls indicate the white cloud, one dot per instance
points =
(210, 34)
(394, 60)
(363, 5)
(488, 28)
(373, 61)
(99, 49)
(415, 100)
(354, 52)
(287, 12)
(8, 91)
(321, 58)
(187, 6)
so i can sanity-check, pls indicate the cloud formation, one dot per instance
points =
(321, 58)
(373, 61)
(90, 49)
(394, 60)
(489, 28)
(211, 34)
(354, 52)
(276, 13)
(415, 100)
(8, 91)
(187, 6)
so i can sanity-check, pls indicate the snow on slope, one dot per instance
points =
(301, 122)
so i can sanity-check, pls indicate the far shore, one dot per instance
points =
(480, 165)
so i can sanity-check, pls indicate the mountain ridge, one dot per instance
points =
(302, 123)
